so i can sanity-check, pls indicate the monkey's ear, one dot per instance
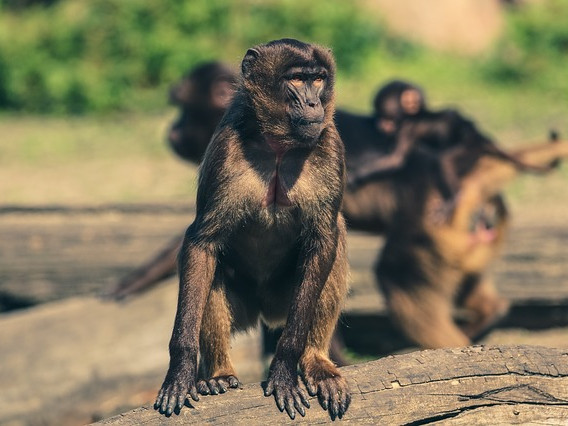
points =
(251, 56)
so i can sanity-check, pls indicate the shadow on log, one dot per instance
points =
(473, 385)
(373, 332)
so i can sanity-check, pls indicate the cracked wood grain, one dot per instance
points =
(473, 385)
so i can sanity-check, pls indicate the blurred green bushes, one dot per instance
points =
(78, 56)
(95, 55)
(534, 49)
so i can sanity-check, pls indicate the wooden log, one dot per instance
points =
(73, 361)
(473, 385)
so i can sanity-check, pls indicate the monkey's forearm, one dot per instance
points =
(375, 169)
(319, 256)
(197, 268)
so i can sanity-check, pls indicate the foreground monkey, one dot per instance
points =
(268, 239)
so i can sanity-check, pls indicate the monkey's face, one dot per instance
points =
(397, 100)
(303, 87)
(411, 102)
(290, 84)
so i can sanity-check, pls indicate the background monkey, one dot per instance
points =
(202, 96)
(427, 268)
(268, 239)
(452, 141)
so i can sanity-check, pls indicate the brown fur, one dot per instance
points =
(452, 142)
(268, 240)
(202, 96)
(427, 268)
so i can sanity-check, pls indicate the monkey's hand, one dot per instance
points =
(216, 385)
(179, 382)
(330, 387)
(284, 385)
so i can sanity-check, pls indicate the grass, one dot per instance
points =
(91, 161)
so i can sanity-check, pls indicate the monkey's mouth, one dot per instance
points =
(308, 121)
(482, 230)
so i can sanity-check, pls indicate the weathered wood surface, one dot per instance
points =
(53, 253)
(474, 385)
(73, 361)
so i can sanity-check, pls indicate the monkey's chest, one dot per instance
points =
(277, 192)
(262, 249)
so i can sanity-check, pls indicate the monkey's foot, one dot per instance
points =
(216, 385)
(284, 385)
(330, 387)
(480, 329)
(177, 385)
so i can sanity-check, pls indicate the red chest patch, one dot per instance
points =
(277, 193)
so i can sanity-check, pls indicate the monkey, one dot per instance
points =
(203, 96)
(401, 112)
(395, 101)
(268, 239)
(426, 268)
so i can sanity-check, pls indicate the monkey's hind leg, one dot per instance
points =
(321, 376)
(481, 298)
(425, 316)
(216, 369)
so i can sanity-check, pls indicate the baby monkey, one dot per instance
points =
(450, 142)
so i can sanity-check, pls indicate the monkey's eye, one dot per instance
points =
(298, 82)
(318, 81)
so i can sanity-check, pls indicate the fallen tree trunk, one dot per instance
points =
(473, 385)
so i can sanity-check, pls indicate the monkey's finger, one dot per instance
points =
(164, 404)
(171, 405)
(222, 385)
(269, 389)
(158, 401)
(213, 386)
(233, 382)
(289, 405)
(298, 406)
(303, 397)
(202, 387)
(181, 400)
(323, 396)
(311, 387)
(344, 402)
(279, 400)
(193, 393)
(334, 406)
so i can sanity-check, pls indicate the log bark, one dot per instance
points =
(473, 385)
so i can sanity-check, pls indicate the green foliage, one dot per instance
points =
(98, 55)
(534, 49)
(81, 56)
